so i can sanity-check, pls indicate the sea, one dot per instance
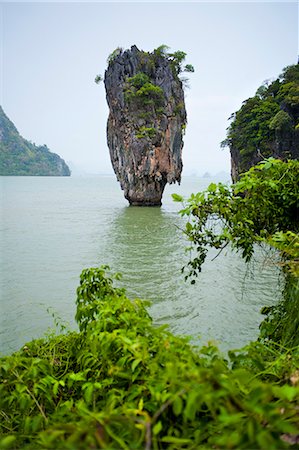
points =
(54, 227)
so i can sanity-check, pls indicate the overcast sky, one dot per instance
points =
(51, 53)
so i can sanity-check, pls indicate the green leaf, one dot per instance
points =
(140, 404)
(37, 423)
(7, 441)
(177, 406)
(212, 187)
(188, 227)
(55, 388)
(177, 198)
(88, 391)
(135, 364)
(287, 392)
(80, 376)
(190, 409)
(157, 428)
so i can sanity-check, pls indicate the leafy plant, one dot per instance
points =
(139, 91)
(144, 132)
(288, 245)
(176, 58)
(260, 209)
(162, 51)
(179, 108)
(262, 203)
(123, 383)
(281, 324)
(114, 54)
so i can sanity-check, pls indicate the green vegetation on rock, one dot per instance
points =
(140, 92)
(177, 59)
(114, 54)
(20, 157)
(146, 132)
(143, 96)
(267, 124)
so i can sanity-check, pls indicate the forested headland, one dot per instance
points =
(267, 124)
(21, 157)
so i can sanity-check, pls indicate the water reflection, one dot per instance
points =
(145, 245)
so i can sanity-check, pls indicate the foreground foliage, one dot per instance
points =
(261, 208)
(121, 383)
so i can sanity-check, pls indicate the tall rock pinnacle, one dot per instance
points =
(146, 122)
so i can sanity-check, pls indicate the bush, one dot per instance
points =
(139, 91)
(253, 211)
(122, 383)
(145, 132)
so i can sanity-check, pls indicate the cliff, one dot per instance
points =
(146, 122)
(266, 124)
(20, 157)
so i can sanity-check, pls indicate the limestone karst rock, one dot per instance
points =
(146, 123)
(266, 125)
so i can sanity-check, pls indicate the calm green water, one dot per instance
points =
(52, 228)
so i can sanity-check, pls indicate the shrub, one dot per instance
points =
(145, 132)
(139, 91)
(114, 54)
(122, 383)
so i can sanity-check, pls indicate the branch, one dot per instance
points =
(222, 248)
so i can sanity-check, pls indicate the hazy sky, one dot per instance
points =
(51, 52)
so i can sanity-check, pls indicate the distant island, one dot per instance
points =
(20, 157)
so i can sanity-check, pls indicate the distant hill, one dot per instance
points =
(20, 157)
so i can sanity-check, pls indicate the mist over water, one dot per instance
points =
(52, 228)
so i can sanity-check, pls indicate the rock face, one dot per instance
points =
(284, 147)
(146, 123)
(20, 157)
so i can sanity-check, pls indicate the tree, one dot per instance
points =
(177, 58)
(162, 50)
